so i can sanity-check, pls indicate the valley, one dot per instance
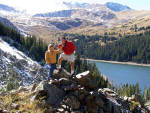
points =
(89, 19)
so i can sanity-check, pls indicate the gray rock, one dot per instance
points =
(73, 102)
(86, 80)
(53, 94)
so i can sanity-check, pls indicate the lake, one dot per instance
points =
(122, 73)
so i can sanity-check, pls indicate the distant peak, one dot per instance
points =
(75, 4)
(7, 8)
(117, 6)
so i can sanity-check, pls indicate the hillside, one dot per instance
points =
(8, 23)
(13, 61)
(136, 23)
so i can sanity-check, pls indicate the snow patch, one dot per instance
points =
(14, 52)
(82, 74)
(114, 101)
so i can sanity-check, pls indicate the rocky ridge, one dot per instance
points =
(64, 94)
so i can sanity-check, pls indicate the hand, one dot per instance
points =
(59, 46)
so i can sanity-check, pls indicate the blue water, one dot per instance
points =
(121, 74)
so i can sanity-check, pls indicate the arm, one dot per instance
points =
(59, 49)
(46, 57)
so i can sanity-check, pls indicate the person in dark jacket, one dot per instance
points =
(68, 49)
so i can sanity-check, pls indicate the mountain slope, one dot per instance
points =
(19, 63)
(85, 14)
(7, 8)
(7, 23)
(63, 13)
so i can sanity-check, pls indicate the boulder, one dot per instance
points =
(71, 87)
(61, 74)
(65, 81)
(53, 95)
(86, 80)
(108, 91)
(73, 102)
(99, 102)
(92, 106)
(112, 106)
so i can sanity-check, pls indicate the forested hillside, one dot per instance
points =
(33, 47)
(130, 48)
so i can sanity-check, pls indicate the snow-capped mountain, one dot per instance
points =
(79, 8)
(75, 5)
(117, 7)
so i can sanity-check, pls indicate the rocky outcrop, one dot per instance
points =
(52, 94)
(65, 94)
(87, 80)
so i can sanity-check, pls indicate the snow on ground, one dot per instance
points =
(22, 65)
(4, 46)
(114, 101)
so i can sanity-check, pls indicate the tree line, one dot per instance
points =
(30, 45)
(134, 90)
(130, 48)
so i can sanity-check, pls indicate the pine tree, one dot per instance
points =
(12, 82)
(137, 91)
(130, 92)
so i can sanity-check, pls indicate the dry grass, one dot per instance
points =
(23, 102)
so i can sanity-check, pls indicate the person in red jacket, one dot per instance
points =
(68, 49)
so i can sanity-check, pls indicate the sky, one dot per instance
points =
(41, 6)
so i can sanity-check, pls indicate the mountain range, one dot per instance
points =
(82, 9)
(79, 18)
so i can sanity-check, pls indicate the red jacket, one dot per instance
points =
(68, 48)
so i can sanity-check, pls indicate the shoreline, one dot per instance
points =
(116, 62)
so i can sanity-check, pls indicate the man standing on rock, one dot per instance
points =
(68, 49)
